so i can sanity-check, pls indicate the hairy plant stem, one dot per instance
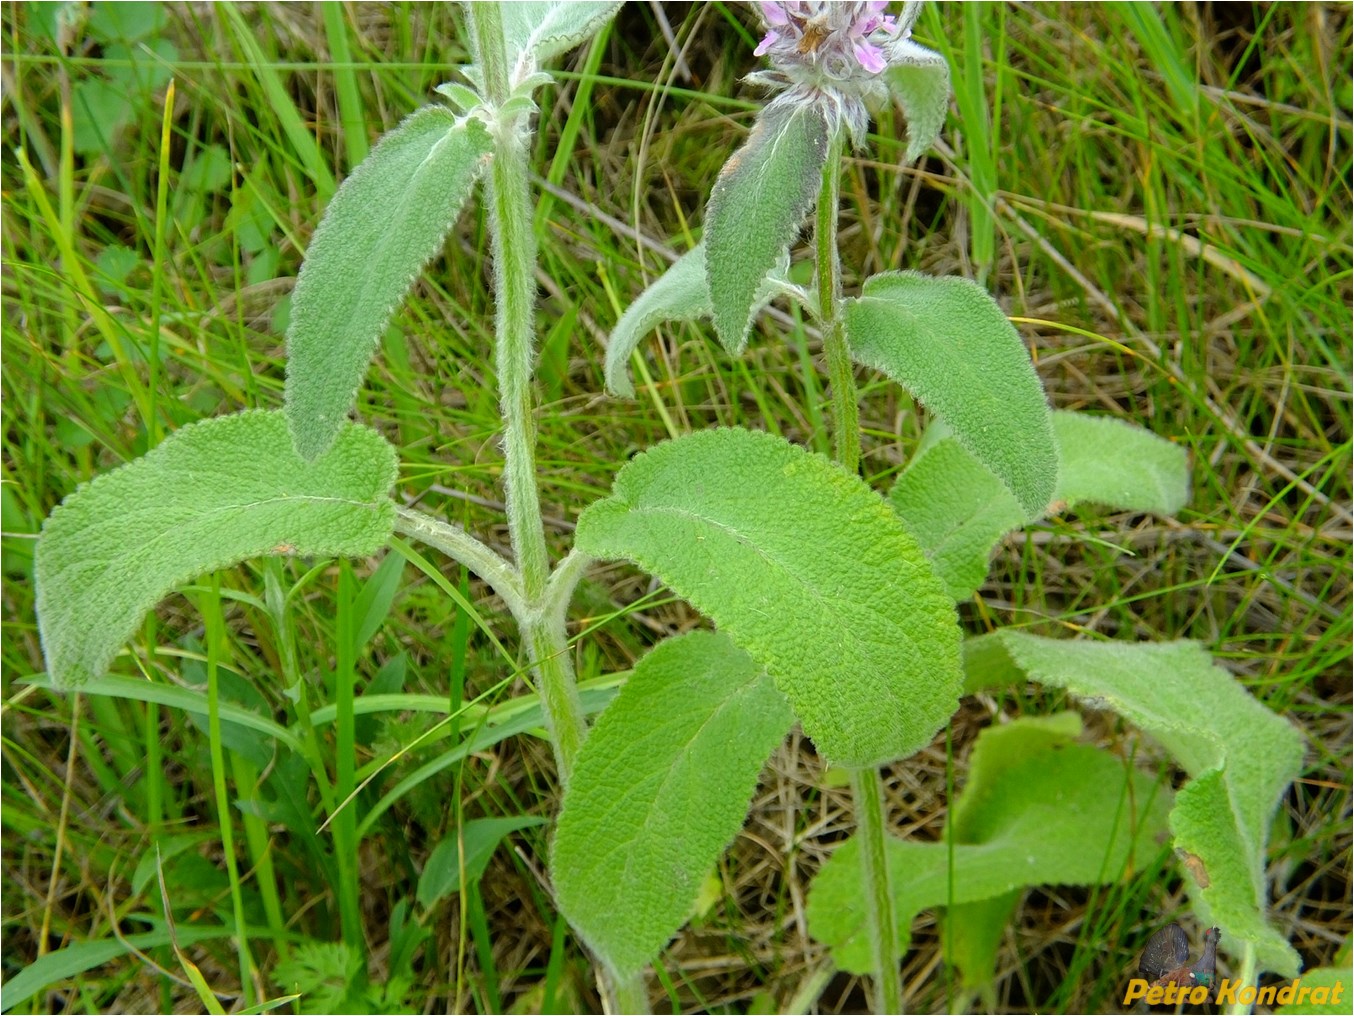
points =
(513, 245)
(867, 788)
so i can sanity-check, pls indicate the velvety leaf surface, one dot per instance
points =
(959, 511)
(756, 209)
(921, 85)
(660, 789)
(1054, 817)
(679, 294)
(807, 569)
(541, 31)
(385, 223)
(948, 343)
(1241, 757)
(212, 494)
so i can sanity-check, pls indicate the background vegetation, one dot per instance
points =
(1160, 197)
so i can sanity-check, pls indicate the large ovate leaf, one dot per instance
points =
(679, 294)
(1240, 756)
(535, 32)
(385, 223)
(210, 495)
(807, 569)
(1051, 814)
(756, 209)
(660, 789)
(959, 511)
(948, 343)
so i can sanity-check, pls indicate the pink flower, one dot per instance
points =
(833, 54)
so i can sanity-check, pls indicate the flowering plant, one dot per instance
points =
(832, 605)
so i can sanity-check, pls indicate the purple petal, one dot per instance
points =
(774, 13)
(769, 40)
(870, 57)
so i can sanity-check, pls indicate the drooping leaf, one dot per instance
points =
(536, 32)
(807, 570)
(974, 931)
(919, 80)
(1240, 756)
(949, 344)
(679, 294)
(1075, 815)
(212, 494)
(74, 959)
(756, 209)
(959, 511)
(385, 223)
(442, 872)
(660, 789)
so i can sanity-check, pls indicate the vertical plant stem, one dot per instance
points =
(867, 789)
(513, 244)
(866, 785)
(345, 775)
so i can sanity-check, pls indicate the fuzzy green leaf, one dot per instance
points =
(756, 209)
(660, 789)
(949, 344)
(919, 80)
(679, 294)
(1240, 756)
(1065, 815)
(388, 219)
(212, 494)
(536, 32)
(807, 570)
(959, 511)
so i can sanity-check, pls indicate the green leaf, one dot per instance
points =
(974, 931)
(949, 344)
(212, 494)
(1333, 985)
(679, 294)
(920, 82)
(660, 789)
(481, 836)
(385, 223)
(74, 959)
(1113, 463)
(1071, 815)
(1240, 756)
(537, 32)
(959, 511)
(756, 208)
(806, 569)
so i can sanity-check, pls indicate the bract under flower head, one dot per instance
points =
(832, 53)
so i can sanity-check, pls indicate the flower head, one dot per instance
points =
(832, 53)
